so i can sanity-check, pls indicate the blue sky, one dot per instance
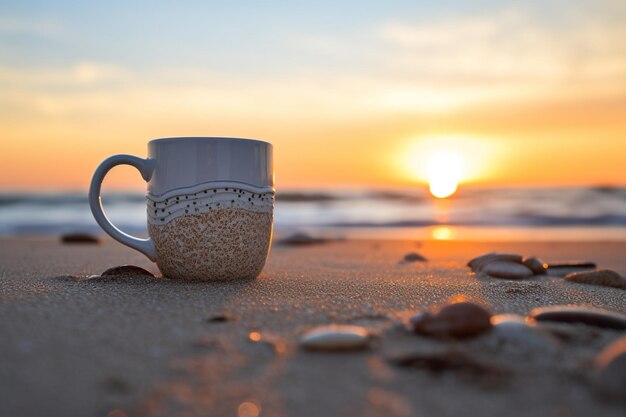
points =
(251, 36)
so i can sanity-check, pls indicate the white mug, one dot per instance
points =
(210, 206)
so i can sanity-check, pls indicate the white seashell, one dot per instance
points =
(478, 263)
(335, 338)
(510, 270)
(515, 330)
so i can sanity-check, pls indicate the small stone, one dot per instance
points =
(219, 318)
(419, 320)
(73, 238)
(414, 257)
(126, 270)
(515, 330)
(335, 338)
(604, 277)
(478, 263)
(536, 265)
(610, 374)
(301, 239)
(561, 269)
(507, 270)
(590, 316)
(460, 320)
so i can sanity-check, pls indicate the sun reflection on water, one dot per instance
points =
(442, 233)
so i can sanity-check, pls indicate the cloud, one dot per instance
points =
(508, 46)
(510, 55)
(398, 67)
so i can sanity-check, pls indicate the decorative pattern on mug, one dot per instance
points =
(207, 199)
(229, 243)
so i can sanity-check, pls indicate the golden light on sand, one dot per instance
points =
(444, 172)
(442, 233)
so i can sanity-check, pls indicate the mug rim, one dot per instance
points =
(205, 139)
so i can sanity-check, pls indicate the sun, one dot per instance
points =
(444, 168)
(446, 161)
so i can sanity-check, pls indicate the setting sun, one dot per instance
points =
(443, 162)
(444, 172)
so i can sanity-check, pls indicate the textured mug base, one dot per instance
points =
(224, 244)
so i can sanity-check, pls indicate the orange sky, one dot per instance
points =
(556, 144)
(522, 100)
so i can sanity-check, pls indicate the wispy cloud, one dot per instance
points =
(400, 66)
(506, 55)
(508, 45)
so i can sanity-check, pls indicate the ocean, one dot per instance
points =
(592, 213)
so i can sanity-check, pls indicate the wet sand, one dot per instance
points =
(148, 347)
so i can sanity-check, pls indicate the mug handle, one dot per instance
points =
(145, 167)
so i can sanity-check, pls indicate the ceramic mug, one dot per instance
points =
(210, 204)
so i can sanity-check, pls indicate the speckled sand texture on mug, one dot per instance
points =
(222, 244)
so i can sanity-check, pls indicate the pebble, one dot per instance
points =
(584, 315)
(335, 338)
(478, 263)
(414, 257)
(561, 269)
(604, 277)
(610, 371)
(536, 265)
(301, 239)
(462, 319)
(219, 318)
(515, 330)
(71, 238)
(126, 270)
(508, 270)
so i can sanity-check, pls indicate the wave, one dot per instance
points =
(602, 206)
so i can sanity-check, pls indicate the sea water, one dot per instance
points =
(593, 213)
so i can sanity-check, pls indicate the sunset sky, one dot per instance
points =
(351, 93)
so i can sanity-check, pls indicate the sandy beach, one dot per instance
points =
(157, 347)
(440, 186)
